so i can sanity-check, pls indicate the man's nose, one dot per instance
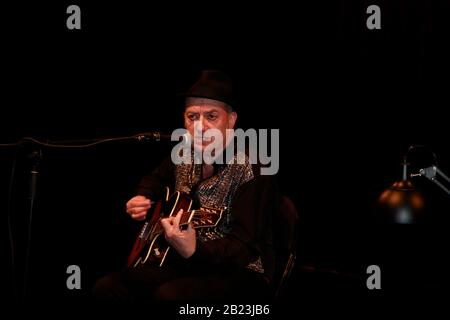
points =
(204, 124)
(201, 125)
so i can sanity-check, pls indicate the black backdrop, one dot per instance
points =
(348, 102)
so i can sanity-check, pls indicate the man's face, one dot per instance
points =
(202, 114)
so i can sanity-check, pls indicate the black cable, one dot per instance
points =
(15, 144)
(74, 144)
(10, 231)
(96, 142)
(30, 219)
(35, 157)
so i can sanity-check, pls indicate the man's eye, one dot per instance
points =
(192, 117)
(211, 117)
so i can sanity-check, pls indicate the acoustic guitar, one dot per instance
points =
(150, 245)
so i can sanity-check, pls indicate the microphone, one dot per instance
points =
(158, 136)
(151, 136)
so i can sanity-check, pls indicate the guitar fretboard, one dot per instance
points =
(202, 218)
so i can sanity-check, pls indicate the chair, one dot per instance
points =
(285, 243)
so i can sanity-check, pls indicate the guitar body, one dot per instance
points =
(140, 243)
(157, 246)
(150, 245)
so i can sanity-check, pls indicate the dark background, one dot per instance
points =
(348, 102)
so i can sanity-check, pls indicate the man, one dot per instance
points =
(236, 259)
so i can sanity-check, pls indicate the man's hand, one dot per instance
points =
(138, 207)
(183, 241)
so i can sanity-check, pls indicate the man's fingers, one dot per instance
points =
(166, 223)
(171, 225)
(176, 220)
(190, 229)
(140, 216)
(139, 204)
(137, 211)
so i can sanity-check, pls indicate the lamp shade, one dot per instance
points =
(401, 203)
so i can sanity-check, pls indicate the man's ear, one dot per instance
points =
(232, 117)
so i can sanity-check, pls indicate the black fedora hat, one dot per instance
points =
(215, 85)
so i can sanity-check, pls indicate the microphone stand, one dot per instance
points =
(35, 157)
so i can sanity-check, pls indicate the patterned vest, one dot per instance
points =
(216, 192)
